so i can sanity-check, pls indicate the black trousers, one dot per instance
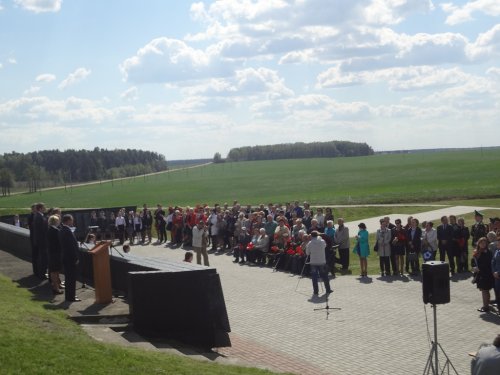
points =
(344, 258)
(162, 233)
(34, 259)
(69, 281)
(384, 264)
(394, 264)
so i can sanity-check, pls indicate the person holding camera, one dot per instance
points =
(315, 249)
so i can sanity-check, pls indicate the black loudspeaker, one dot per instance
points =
(436, 282)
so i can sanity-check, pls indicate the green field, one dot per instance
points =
(395, 178)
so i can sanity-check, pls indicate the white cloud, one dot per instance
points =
(32, 90)
(130, 94)
(12, 61)
(40, 6)
(45, 78)
(460, 14)
(69, 110)
(77, 76)
(486, 46)
(165, 60)
(387, 12)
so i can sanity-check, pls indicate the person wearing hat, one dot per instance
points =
(479, 229)
(362, 248)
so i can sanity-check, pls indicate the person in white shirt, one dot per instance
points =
(315, 249)
(200, 242)
(429, 242)
(120, 226)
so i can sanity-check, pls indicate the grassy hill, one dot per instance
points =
(36, 340)
(383, 178)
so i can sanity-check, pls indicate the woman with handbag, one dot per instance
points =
(483, 275)
(362, 248)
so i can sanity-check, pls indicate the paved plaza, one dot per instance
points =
(381, 329)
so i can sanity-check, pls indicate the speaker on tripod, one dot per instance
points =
(436, 282)
(436, 291)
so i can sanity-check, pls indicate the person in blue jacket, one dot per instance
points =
(362, 248)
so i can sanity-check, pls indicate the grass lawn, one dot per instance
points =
(34, 340)
(394, 178)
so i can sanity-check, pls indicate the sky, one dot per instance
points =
(188, 79)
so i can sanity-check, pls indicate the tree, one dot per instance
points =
(6, 181)
(218, 158)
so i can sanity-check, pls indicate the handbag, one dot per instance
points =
(412, 257)
(357, 248)
(475, 275)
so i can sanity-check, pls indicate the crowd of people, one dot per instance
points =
(278, 236)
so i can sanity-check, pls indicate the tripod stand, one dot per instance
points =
(432, 365)
(327, 307)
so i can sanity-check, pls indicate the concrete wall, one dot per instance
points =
(15, 241)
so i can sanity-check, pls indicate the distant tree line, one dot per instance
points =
(300, 150)
(53, 167)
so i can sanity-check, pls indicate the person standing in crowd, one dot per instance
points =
(120, 227)
(315, 249)
(487, 359)
(429, 242)
(394, 264)
(445, 236)
(69, 248)
(320, 218)
(495, 267)
(384, 248)
(54, 254)
(161, 224)
(463, 236)
(213, 229)
(414, 235)
(147, 224)
(17, 222)
(362, 248)
(341, 238)
(479, 229)
(40, 239)
(483, 274)
(137, 228)
(199, 240)
(398, 247)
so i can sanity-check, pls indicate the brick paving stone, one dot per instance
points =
(381, 328)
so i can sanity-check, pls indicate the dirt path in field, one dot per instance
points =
(116, 179)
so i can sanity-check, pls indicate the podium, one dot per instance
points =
(102, 272)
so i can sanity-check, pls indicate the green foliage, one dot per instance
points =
(46, 168)
(218, 158)
(34, 340)
(300, 150)
(407, 178)
(6, 181)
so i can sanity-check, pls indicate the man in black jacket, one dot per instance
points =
(445, 238)
(69, 248)
(40, 241)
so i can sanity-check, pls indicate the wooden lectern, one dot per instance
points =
(102, 272)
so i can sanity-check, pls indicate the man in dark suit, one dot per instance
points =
(69, 248)
(40, 241)
(445, 238)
